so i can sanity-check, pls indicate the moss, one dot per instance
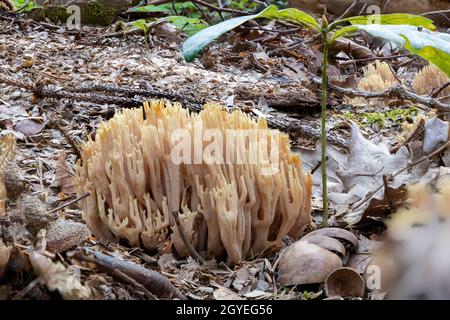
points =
(98, 13)
(381, 119)
(307, 295)
(95, 12)
(54, 14)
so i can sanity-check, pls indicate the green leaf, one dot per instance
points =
(343, 32)
(140, 24)
(184, 8)
(20, 3)
(392, 19)
(193, 46)
(164, 8)
(189, 25)
(439, 58)
(432, 46)
(299, 17)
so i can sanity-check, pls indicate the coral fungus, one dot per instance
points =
(235, 183)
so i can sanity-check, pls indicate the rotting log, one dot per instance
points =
(92, 12)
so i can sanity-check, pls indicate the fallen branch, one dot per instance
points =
(89, 94)
(279, 121)
(151, 280)
(439, 90)
(113, 89)
(397, 91)
(136, 285)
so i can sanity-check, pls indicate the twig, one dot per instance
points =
(124, 277)
(376, 58)
(442, 13)
(23, 7)
(385, 6)
(87, 194)
(438, 91)
(397, 91)
(153, 281)
(75, 147)
(347, 11)
(407, 61)
(318, 165)
(417, 132)
(207, 18)
(187, 243)
(21, 294)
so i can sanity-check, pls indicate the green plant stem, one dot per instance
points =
(324, 136)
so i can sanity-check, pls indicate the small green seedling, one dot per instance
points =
(415, 33)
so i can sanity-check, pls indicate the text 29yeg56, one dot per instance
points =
(224, 158)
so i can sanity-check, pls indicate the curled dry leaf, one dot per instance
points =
(344, 282)
(223, 293)
(336, 233)
(5, 253)
(328, 243)
(64, 176)
(315, 256)
(306, 263)
(55, 276)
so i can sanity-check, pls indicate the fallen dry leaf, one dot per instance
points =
(64, 176)
(5, 253)
(29, 127)
(222, 293)
(55, 276)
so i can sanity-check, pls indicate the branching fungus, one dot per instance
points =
(235, 184)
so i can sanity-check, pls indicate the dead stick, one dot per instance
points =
(437, 92)
(21, 294)
(153, 281)
(133, 282)
(87, 194)
(187, 243)
(75, 147)
(397, 91)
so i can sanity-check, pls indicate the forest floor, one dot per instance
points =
(263, 75)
